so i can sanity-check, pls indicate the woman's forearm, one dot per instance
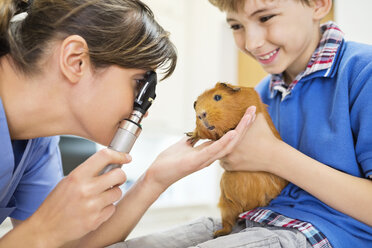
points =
(128, 213)
(346, 193)
(28, 234)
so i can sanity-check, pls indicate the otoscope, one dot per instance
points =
(129, 129)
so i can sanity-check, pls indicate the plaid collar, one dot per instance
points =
(321, 60)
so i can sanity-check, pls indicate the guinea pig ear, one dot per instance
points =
(194, 104)
(230, 87)
(219, 85)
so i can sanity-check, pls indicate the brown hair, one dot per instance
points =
(235, 5)
(118, 32)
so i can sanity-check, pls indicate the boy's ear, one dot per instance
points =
(321, 8)
(74, 57)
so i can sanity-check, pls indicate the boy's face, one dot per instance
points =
(280, 34)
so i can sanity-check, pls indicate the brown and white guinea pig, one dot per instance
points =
(219, 110)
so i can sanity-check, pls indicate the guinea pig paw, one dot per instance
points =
(190, 134)
(193, 137)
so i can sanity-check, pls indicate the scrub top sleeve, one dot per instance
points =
(40, 178)
(361, 118)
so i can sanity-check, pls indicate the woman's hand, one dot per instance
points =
(82, 201)
(254, 151)
(182, 159)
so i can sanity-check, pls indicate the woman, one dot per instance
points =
(71, 67)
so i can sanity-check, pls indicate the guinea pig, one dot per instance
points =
(219, 110)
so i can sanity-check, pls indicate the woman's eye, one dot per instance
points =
(138, 86)
(235, 26)
(217, 97)
(266, 18)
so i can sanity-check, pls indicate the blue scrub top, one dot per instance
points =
(29, 170)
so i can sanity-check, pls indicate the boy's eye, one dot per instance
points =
(266, 18)
(235, 26)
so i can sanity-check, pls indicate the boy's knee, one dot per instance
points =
(210, 223)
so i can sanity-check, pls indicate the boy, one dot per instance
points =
(317, 93)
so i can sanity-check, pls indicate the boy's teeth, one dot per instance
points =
(268, 55)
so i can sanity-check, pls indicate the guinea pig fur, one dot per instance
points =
(219, 110)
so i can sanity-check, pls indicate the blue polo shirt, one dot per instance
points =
(328, 116)
(29, 170)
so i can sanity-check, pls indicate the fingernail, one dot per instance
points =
(249, 117)
(129, 157)
(252, 110)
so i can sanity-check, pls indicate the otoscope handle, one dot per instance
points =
(123, 140)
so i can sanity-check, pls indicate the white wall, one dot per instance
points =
(354, 18)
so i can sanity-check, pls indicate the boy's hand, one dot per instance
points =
(253, 153)
(182, 158)
(82, 201)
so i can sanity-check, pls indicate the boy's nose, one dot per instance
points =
(254, 39)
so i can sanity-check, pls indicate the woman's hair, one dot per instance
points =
(235, 5)
(117, 32)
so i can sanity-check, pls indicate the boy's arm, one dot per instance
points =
(343, 192)
(339, 190)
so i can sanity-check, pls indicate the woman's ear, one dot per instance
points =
(74, 58)
(321, 8)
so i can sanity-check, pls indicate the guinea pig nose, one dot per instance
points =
(202, 115)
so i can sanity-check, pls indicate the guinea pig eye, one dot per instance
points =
(217, 97)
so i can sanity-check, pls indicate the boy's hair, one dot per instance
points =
(235, 5)
(117, 32)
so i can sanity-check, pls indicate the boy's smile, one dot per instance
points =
(280, 34)
(268, 57)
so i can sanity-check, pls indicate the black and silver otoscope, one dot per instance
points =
(129, 129)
